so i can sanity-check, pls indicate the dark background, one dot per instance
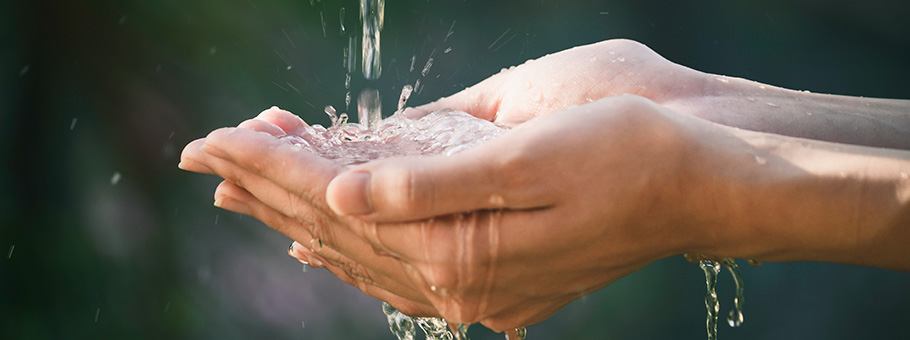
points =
(102, 237)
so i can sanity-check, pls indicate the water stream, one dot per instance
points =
(712, 270)
(442, 132)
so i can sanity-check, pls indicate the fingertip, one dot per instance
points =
(349, 193)
(262, 126)
(287, 121)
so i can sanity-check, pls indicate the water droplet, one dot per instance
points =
(593, 58)
(350, 58)
(97, 312)
(536, 95)
(322, 19)
(521, 332)
(122, 20)
(760, 160)
(302, 324)
(620, 59)
(750, 99)
(735, 318)
(723, 80)
(763, 87)
(73, 124)
(212, 50)
(24, 70)
(341, 19)
(808, 113)
(403, 98)
(10, 253)
(447, 50)
(904, 175)
(115, 178)
(158, 69)
(772, 104)
(426, 68)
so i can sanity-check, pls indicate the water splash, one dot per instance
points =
(402, 326)
(711, 269)
(441, 132)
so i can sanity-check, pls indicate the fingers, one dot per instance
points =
(190, 156)
(367, 268)
(481, 100)
(289, 167)
(288, 122)
(498, 174)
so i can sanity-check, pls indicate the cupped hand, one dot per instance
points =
(572, 77)
(269, 178)
(552, 210)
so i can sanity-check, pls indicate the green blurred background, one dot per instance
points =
(102, 237)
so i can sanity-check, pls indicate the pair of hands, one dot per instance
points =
(561, 205)
(611, 175)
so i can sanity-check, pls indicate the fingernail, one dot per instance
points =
(349, 193)
(219, 201)
(181, 166)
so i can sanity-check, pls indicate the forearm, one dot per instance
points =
(803, 200)
(843, 119)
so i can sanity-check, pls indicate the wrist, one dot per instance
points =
(755, 106)
(774, 198)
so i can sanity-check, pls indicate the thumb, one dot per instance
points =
(405, 189)
(481, 100)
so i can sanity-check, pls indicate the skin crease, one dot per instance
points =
(612, 164)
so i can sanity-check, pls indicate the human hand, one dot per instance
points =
(481, 266)
(572, 77)
(575, 76)
(587, 73)
(274, 181)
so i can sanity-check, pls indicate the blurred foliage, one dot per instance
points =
(102, 237)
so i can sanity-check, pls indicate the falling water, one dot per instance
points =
(369, 108)
(735, 318)
(371, 12)
(711, 269)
